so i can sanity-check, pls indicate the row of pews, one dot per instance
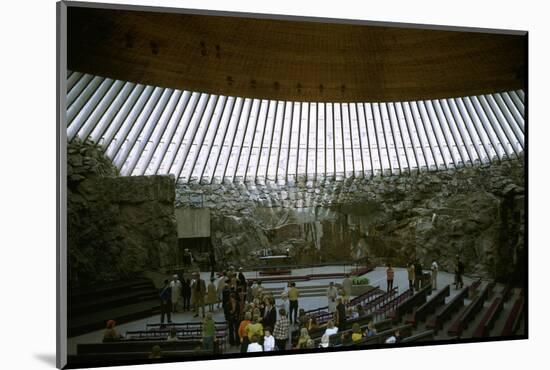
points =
(388, 310)
(137, 345)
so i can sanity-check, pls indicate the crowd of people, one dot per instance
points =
(255, 323)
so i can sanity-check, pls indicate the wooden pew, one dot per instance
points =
(420, 313)
(184, 325)
(462, 321)
(424, 336)
(445, 313)
(512, 322)
(488, 320)
(316, 334)
(380, 338)
(123, 346)
(345, 336)
(472, 292)
(410, 303)
(365, 297)
(164, 333)
(90, 358)
(380, 300)
(392, 304)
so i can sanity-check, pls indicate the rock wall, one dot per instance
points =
(476, 212)
(117, 226)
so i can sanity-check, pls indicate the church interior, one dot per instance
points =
(240, 184)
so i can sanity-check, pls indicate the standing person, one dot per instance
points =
(280, 332)
(208, 332)
(389, 277)
(270, 314)
(269, 340)
(175, 288)
(418, 274)
(241, 295)
(211, 295)
(435, 269)
(293, 295)
(233, 323)
(284, 297)
(255, 329)
(346, 286)
(241, 280)
(459, 271)
(212, 261)
(243, 335)
(258, 290)
(220, 288)
(340, 315)
(332, 294)
(410, 274)
(249, 293)
(165, 302)
(199, 292)
(225, 299)
(186, 294)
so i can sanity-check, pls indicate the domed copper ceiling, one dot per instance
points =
(294, 60)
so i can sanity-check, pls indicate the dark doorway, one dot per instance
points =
(199, 248)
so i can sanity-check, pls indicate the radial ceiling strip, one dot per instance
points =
(194, 136)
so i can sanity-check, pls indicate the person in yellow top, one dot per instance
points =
(255, 328)
(357, 334)
(293, 294)
(304, 337)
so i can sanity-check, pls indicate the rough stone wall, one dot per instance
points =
(117, 226)
(476, 212)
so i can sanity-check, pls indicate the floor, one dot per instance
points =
(377, 277)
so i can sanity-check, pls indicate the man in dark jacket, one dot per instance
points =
(418, 274)
(458, 273)
(225, 299)
(198, 291)
(186, 293)
(241, 280)
(340, 315)
(165, 302)
(269, 313)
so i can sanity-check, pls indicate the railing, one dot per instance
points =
(393, 304)
(184, 325)
(380, 301)
(365, 297)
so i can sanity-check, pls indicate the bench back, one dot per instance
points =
(425, 336)
(423, 311)
(137, 346)
(488, 320)
(380, 338)
(410, 303)
(360, 299)
(514, 317)
(473, 308)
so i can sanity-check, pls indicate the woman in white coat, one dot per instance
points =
(175, 284)
(332, 293)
